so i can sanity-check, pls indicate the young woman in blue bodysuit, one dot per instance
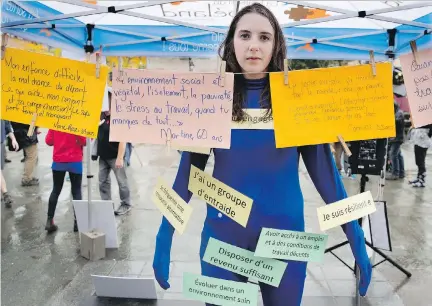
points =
(255, 45)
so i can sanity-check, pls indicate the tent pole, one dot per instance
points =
(50, 26)
(173, 22)
(150, 36)
(353, 35)
(20, 23)
(401, 21)
(407, 43)
(89, 177)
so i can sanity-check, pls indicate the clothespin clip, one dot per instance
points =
(3, 45)
(372, 62)
(98, 63)
(88, 54)
(222, 72)
(32, 125)
(344, 146)
(286, 71)
(413, 45)
(120, 67)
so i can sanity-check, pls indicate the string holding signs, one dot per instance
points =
(418, 83)
(65, 94)
(347, 101)
(186, 109)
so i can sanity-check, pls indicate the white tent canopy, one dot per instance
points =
(313, 29)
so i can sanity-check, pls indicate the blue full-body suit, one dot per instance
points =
(256, 168)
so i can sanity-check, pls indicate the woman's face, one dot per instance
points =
(253, 44)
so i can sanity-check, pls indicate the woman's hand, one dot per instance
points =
(119, 163)
(15, 144)
(356, 238)
(162, 255)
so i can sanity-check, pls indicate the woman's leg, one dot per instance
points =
(6, 198)
(421, 156)
(58, 180)
(223, 234)
(290, 290)
(29, 166)
(418, 162)
(76, 183)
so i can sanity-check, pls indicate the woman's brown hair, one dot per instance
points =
(226, 52)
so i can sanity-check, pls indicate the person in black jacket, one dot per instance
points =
(111, 157)
(397, 160)
(29, 145)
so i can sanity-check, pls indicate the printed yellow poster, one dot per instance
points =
(65, 94)
(317, 105)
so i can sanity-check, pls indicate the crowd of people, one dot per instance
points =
(67, 159)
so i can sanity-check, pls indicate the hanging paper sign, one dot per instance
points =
(64, 94)
(291, 245)
(319, 104)
(227, 200)
(219, 291)
(418, 83)
(346, 210)
(172, 108)
(172, 206)
(255, 119)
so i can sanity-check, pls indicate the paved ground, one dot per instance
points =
(40, 269)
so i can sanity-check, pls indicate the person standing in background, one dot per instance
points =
(67, 157)
(397, 160)
(29, 145)
(128, 153)
(422, 142)
(111, 157)
(6, 131)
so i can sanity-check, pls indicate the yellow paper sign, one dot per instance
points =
(255, 120)
(172, 206)
(320, 104)
(346, 210)
(65, 94)
(232, 203)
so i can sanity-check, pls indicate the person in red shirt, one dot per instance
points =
(67, 157)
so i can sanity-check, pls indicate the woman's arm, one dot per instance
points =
(181, 181)
(322, 170)
(320, 164)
